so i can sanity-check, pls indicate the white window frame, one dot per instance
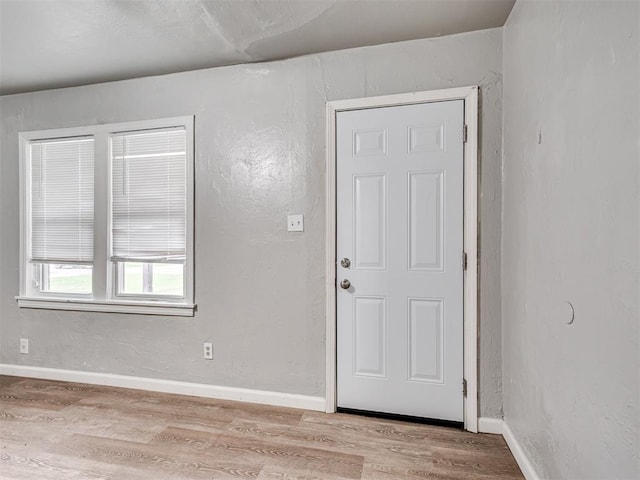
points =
(104, 298)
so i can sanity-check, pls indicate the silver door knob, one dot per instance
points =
(345, 284)
(345, 262)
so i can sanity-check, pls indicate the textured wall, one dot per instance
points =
(260, 154)
(571, 221)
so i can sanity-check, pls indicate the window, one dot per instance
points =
(61, 214)
(107, 218)
(148, 212)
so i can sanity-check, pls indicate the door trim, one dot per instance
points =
(470, 340)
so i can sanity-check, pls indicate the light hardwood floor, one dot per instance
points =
(58, 430)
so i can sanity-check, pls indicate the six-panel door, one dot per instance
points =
(400, 225)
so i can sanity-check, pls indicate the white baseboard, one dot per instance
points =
(499, 427)
(264, 397)
(490, 425)
(518, 453)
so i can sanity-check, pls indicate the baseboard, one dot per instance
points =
(264, 397)
(490, 425)
(518, 453)
(499, 427)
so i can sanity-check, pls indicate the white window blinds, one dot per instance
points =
(148, 195)
(61, 200)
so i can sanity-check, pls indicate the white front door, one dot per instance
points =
(399, 260)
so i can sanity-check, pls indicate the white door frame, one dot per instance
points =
(470, 97)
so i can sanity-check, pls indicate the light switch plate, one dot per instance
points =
(295, 223)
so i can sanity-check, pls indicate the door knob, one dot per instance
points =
(345, 262)
(345, 284)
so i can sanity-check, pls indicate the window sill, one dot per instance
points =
(142, 308)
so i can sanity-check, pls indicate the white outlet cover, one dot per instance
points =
(295, 223)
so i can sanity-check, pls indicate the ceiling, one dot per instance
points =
(60, 43)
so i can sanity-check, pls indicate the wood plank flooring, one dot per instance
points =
(58, 430)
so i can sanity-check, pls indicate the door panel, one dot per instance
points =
(370, 336)
(368, 143)
(369, 221)
(399, 222)
(425, 340)
(426, 220)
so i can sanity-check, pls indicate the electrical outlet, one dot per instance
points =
(24, 346)
(208, 350)
(295, 223)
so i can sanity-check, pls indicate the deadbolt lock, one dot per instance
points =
(345, 262)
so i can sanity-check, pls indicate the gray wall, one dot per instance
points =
(571, 220)
(260, 154)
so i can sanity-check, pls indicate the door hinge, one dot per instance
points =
(464, 260)
(464, 134)
(464, 387)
